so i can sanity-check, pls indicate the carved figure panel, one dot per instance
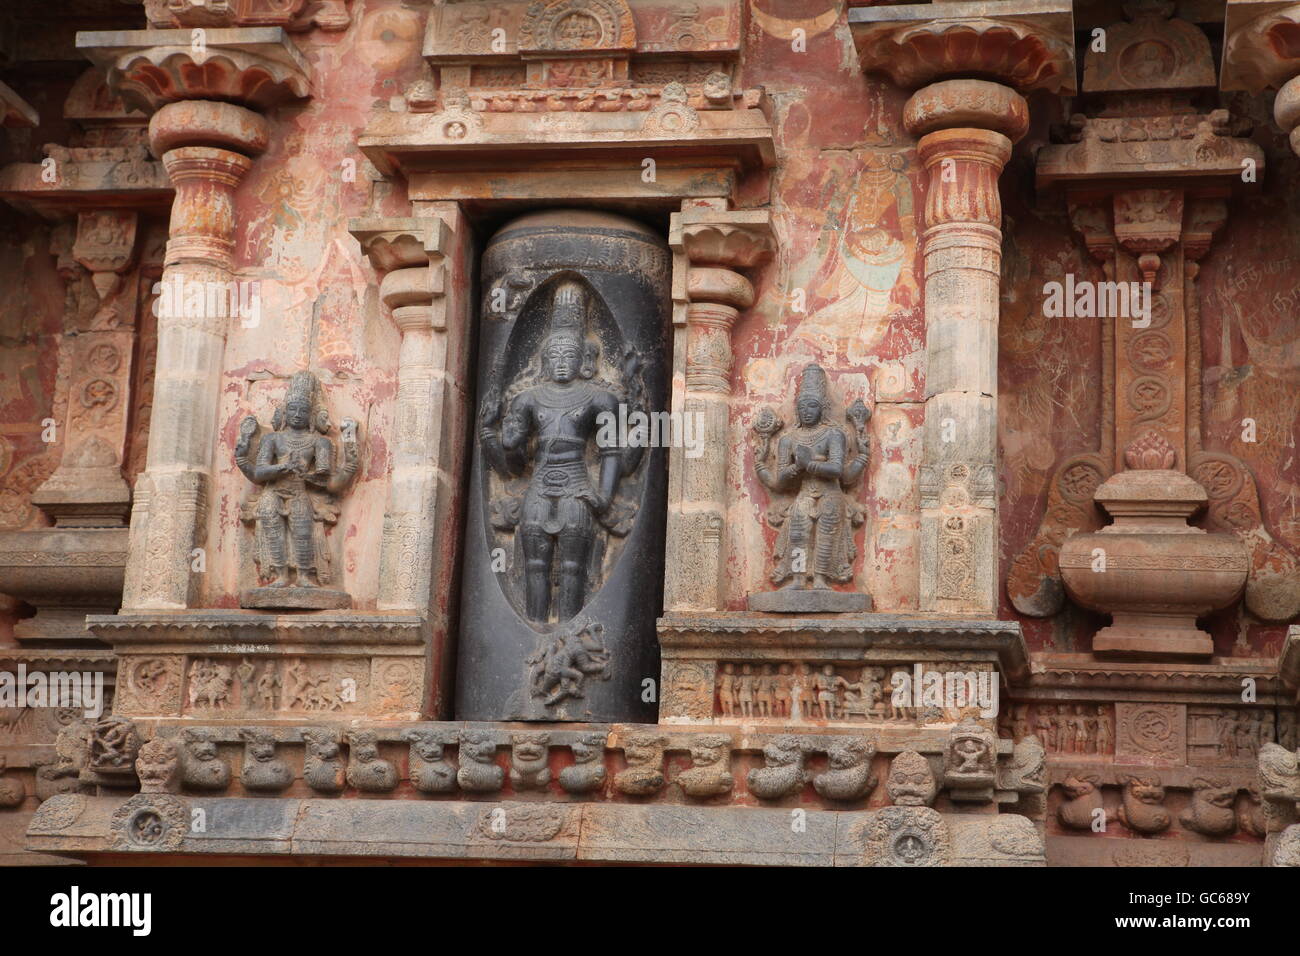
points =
(565, 538)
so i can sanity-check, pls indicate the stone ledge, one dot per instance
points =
(256, 627)
(81, 826)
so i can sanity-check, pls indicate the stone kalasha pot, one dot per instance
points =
(1160, 573)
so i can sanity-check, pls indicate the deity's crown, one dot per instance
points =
(812, 384)
(302, 388)
(568, 313)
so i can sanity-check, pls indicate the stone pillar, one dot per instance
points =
(709, 245)
(966, 130)
(170, 515)
(193, 83)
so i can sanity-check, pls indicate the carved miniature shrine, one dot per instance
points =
(650, 431)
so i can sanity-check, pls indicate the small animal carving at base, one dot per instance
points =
(430, 772)
(849, 776)
(1082, 805)
(262, 769)
(1279, 774)
(528, 755)
(782, 773)
(710, 772)
(12, 792)
(478, 771)
(1142, 808)
(322, 768)
(367, 771)
(587, 772)
(1211, 811)
(644, 774)
(201, 768)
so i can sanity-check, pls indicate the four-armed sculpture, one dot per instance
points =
(819, 461)
(301, 484)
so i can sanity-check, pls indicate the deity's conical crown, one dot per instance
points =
(302, 388)
(568, 313)
(812, 384)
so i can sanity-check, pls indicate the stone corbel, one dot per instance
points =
(15, 111)
(711, 246)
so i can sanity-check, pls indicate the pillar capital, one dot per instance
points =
(967, 104)
(257, 67)
(1025, 44)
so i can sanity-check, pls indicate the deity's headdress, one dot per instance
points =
(812, 384)
(304, 388)
(568, 323)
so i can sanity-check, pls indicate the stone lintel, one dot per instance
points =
(84, 185)
(850, 637)
(1206, 165)
(1218, 681)
(92, 827)
(459, 140)
(1026, 44)
(1259, 44)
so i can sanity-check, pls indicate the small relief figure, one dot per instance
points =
(322, 768)
(709, 774)
(548, 427)
(262, 770)
(782, 772)
(478, 772)
(114, 743)
(567, 658)
(644, 773)
(818, 462)
(1027, 773)
(158, 766)
(969, 758)
(1212, 811)
(367, 771)
(300, 487)
(1142, 808)
(911, 782)
(528, 761)
(429, 769)
(201, 768)
(587, 773)
(62, 774)
(849, 776)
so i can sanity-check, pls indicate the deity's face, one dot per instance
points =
(298, 414)
(564, 358)
(810, 411)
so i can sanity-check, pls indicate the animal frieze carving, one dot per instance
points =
(528, 761)
(367, 770)
(849, 775)
(587, 773)
(429, 769)
(911, 782)
(644, 774)
(478, 771)
(1081, 806)
(323, 769)
(1142, 808)
(1212, 811)
(709, 774)
(262, 769)
(782, 773)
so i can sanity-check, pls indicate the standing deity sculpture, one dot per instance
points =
(564, 555)
(819, 462)
(547, 430)
(300, 481)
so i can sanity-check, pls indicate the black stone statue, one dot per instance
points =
(564, 550)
